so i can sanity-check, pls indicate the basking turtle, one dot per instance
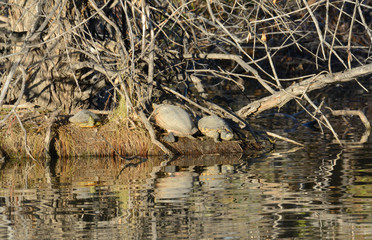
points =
(215, 127)
(85, 119)
(175, 120)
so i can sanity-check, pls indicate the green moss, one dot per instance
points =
(121, 111)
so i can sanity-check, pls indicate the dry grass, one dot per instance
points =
(114, 136)
(12, 140)
(117, 135)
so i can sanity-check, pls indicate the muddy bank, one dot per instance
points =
(113, 137)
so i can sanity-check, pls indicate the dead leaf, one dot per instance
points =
(263, 37)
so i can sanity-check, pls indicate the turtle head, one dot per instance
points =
(89, 124)
(154, 105)
(91, 121)
(226, 135)
(193, 130)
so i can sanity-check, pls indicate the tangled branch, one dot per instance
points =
(85, 53)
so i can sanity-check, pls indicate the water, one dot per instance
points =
(318, 192)
(321, 191)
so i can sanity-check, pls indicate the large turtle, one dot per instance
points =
(85, 118)
(175, 120)
(216, 128)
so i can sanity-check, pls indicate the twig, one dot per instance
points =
(152, 134)
(187, 99)
(150, 76)
(9, 77)
(235, 58)
(48, 135)
(327, 123)
(27, 148)
(283, 138)
(316, 23)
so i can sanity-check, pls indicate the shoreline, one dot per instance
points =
(54, 137)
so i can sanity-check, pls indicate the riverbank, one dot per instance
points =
(51, 135)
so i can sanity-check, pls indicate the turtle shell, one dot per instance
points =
(175, 120)
(83, 117)
(214, 127)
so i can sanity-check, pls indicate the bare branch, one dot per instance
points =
(280, 98)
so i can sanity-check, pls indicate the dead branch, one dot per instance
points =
(149, 128)
(280, 98)
(237, 59)
(48, 135)
(27, 148)
(358, 113)
(283, 138)
(323, 117)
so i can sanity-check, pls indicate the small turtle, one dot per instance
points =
(216, 128)
(175, 120)
(85, 119)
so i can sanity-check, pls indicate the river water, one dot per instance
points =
(320, 191)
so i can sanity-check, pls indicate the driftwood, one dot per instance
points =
(296, 91)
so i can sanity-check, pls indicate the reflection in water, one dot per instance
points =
(313, 193)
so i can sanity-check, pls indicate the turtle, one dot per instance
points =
(175, 120)
(85, 119)
(215, 127)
